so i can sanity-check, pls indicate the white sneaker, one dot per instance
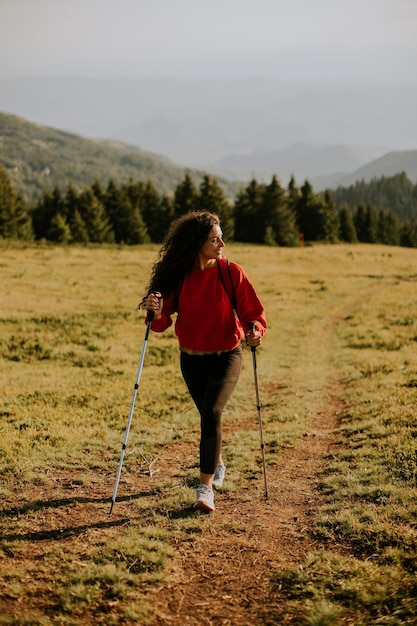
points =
(219, 476)
(204, 498)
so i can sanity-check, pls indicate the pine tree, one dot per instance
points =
(58, 230)
(408, 235)
(49, 205)
(134, 191)
(371, 224)
(311, 214)
(70, 204)
(15, 222)
(150, 203)
(165, 217)
(293, 195)
(111, 202)
(359, 220)
(95, 218)
(98, 191)
(211, 198)
(137, 231)
(389, 228)
(347, 227)
(249, 226)
(7, 206)
(22, 219)
(329, 219)
(79, 232)
(185, 197)
(279, 219)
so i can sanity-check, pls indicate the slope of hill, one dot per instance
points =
(39, 157)
(389, 164)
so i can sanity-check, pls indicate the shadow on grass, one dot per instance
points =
(185, 513)
(40, 504)
(64, 533)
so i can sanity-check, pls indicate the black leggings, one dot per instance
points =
(210, 379)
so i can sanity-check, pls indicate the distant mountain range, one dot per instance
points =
(310, 134)
(348, 164)
(39, 157)
(236, 128)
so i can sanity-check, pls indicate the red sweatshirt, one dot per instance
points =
(206, 321)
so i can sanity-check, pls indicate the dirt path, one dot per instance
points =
(232, 578)
(227, 578)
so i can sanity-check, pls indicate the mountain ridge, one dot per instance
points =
(38, 158)
(196, 122)
(389, 164)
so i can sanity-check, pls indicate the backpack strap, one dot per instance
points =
(230, 295)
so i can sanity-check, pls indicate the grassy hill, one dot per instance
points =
(38, 158)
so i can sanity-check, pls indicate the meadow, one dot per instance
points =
(336, 541)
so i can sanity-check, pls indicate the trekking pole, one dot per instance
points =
(258, 406)
(132, 406)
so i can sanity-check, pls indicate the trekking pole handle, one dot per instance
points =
(251, 326)
(151, 314)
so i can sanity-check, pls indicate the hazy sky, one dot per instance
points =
(116, 37)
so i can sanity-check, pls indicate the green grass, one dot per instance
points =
(70, 341)
(371, 478)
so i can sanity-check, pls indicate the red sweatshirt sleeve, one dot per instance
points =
(169, 308)
(249, 306)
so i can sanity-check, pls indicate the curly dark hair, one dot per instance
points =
(179, 250)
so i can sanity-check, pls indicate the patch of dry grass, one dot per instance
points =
(70, 340)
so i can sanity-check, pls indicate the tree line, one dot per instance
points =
(135, 212)
(396, 192)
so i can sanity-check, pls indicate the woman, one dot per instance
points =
(217, 307)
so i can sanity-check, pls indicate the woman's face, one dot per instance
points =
(212, 249)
